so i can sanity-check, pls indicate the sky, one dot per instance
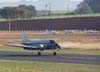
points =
(41, 4)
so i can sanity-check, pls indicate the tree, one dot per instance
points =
(94, 5)
(83, 8)
(31, 9)
(7, 12)
(21, 11)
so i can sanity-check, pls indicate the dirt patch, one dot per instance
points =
(5, 34)
(85, 46)
(81, 40)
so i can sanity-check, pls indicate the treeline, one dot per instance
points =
(88, 6)
(22, 11)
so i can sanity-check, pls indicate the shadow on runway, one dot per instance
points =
(28, 55)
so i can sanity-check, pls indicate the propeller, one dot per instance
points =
(59, 45)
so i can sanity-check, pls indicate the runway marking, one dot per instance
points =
(80, 58)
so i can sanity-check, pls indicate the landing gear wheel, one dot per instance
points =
(39, 53)
(54, 53)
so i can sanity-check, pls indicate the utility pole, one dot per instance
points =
(68, 5)
(46, 9)
(49, 4)
(9, 24)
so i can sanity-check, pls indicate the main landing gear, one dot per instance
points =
(54, 53)
(39, 53)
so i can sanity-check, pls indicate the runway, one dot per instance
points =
(48, 57)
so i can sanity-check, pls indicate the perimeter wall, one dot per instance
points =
(75, 23)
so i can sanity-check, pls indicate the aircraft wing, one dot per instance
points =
(20, 46)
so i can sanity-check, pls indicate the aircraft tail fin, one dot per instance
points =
(24, 37)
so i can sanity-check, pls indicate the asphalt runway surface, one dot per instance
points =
(48, 57)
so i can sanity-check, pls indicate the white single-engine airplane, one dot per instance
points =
(39, 45)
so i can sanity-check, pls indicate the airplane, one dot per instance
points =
(39, 45)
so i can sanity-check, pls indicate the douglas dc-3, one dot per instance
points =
(39, 45)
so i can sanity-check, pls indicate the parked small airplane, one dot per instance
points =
(39, 45)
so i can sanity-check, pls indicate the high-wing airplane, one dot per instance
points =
(39, 45)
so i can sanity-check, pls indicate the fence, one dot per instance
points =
(76, 23)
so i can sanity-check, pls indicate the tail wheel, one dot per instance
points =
(39, 53)
(54, 53)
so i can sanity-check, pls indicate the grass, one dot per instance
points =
(68, 16)
(61, 16)
(8, 48)
(19, 66)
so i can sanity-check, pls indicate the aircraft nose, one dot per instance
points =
(59, 47)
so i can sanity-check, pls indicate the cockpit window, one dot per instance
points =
(52, 41)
